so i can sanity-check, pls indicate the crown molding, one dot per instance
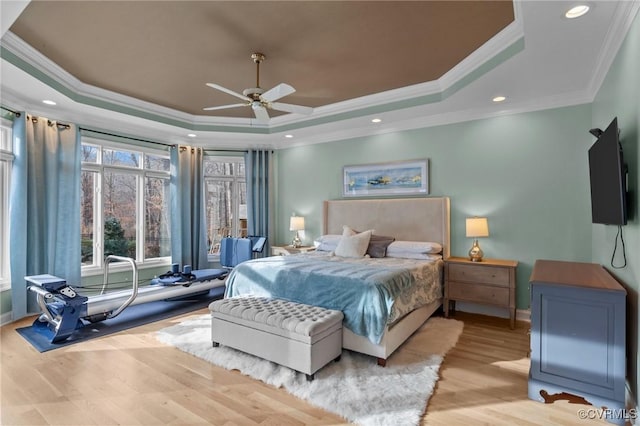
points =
(418, 118)
(626, 12)
(102, 109)
(53, 75)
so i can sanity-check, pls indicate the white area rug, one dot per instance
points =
(355, 388)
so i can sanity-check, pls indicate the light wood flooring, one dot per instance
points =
(131, 379)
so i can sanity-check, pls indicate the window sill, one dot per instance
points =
(89, 271)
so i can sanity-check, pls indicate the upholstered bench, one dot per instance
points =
(302, 337)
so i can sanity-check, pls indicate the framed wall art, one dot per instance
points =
(395, 178)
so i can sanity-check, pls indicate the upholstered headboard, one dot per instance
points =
(409, 219)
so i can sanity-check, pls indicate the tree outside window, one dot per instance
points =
(124, 203)
(225, 199)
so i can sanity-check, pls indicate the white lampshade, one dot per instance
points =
(296, 223)
(477, 227)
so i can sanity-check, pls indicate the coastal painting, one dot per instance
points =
(401, 177)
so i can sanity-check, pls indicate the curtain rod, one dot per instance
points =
(154, 142)
(35, 119)
(125, 137)
(49, 122)
(16, 113)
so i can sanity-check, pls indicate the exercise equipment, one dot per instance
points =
(65, 310)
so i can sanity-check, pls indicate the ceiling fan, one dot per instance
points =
(259, 100)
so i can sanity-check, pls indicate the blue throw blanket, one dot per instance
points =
(364, 293)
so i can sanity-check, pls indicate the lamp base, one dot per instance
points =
(296, 243)
(475, 254)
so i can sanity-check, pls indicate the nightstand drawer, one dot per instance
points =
(479, 293)
(479, 274)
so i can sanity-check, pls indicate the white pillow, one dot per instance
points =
(353, 245)
(419, 247)
(327, 242)
(419, 256)
(348, 231)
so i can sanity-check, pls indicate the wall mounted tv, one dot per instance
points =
(608, 177)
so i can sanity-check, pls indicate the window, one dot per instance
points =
(6, 160)
(225, 198)
(124, 203)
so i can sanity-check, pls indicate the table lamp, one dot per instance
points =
(296, 223)
(476, 227)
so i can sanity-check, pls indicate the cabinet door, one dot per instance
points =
(577, 339)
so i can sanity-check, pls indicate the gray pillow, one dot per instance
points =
(378, 245)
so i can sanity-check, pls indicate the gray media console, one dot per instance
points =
(577, 336)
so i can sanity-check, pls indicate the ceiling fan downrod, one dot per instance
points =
(257, 58)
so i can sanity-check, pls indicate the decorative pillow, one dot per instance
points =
(327, 242)
(409, 255)
(378, 245)
(348, 231)
(414, 247)
(353, 245)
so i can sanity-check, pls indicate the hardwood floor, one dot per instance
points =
(129, 378)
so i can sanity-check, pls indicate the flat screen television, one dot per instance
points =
(608, 177)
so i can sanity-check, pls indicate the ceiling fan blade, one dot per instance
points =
(280, 91)
(224, 107)
(298, 109)
(230, 92)
(261, 112)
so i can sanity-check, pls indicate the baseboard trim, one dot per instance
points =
(6, 318)
(492, 311)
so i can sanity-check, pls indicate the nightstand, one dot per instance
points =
(490, 282)
(287, 250)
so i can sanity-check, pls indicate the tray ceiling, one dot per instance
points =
(164, 52)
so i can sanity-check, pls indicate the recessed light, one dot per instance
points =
(577, 11)
(288, 136)
(48, 102)
(192, 135)
(376, 120)
(499, 99)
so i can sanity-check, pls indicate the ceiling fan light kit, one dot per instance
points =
(258, 99)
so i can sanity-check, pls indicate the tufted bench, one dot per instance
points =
(302, 337)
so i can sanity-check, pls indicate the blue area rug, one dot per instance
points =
(133, 316)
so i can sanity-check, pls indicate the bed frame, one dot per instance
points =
(408, 219)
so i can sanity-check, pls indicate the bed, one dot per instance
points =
(373, 325)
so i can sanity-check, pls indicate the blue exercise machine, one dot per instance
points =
(65, 310)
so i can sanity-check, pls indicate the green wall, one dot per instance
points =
(5, 302)
(619, 96)
(528, 173)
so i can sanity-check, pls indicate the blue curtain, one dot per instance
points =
(258, 173)
(44, 205)
(188, 227)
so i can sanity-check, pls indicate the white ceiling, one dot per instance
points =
(542, 60)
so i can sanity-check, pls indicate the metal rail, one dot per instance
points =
(42, 296)
(134, 290)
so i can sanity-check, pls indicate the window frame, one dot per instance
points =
(235, 180)
(6, 164)
(98, 167)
